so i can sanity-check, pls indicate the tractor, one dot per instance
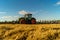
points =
(27, 19)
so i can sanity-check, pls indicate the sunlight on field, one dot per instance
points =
(29, 31)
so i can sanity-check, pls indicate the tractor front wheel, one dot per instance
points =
(33, 21)
(22, 21)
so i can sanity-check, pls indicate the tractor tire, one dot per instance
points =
(22, 21)
(33, 21)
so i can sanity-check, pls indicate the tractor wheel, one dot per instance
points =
(33, 21)
(22, 21)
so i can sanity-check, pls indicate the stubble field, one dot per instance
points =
(29, 31)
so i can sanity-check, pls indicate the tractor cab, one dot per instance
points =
(28, 15)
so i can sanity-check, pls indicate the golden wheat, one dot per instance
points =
(29, 31)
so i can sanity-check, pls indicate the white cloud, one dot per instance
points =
(9, 18)
(23, 12)
(3, 12)
(57, 3)
(31, 12)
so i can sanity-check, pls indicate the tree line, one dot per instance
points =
(37, 22)
(49, 22)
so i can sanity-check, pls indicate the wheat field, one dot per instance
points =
(29, 31)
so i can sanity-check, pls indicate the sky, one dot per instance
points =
(41, 9)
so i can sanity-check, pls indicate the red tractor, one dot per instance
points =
(27, 19)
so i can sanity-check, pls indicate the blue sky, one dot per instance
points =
(41, 9)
